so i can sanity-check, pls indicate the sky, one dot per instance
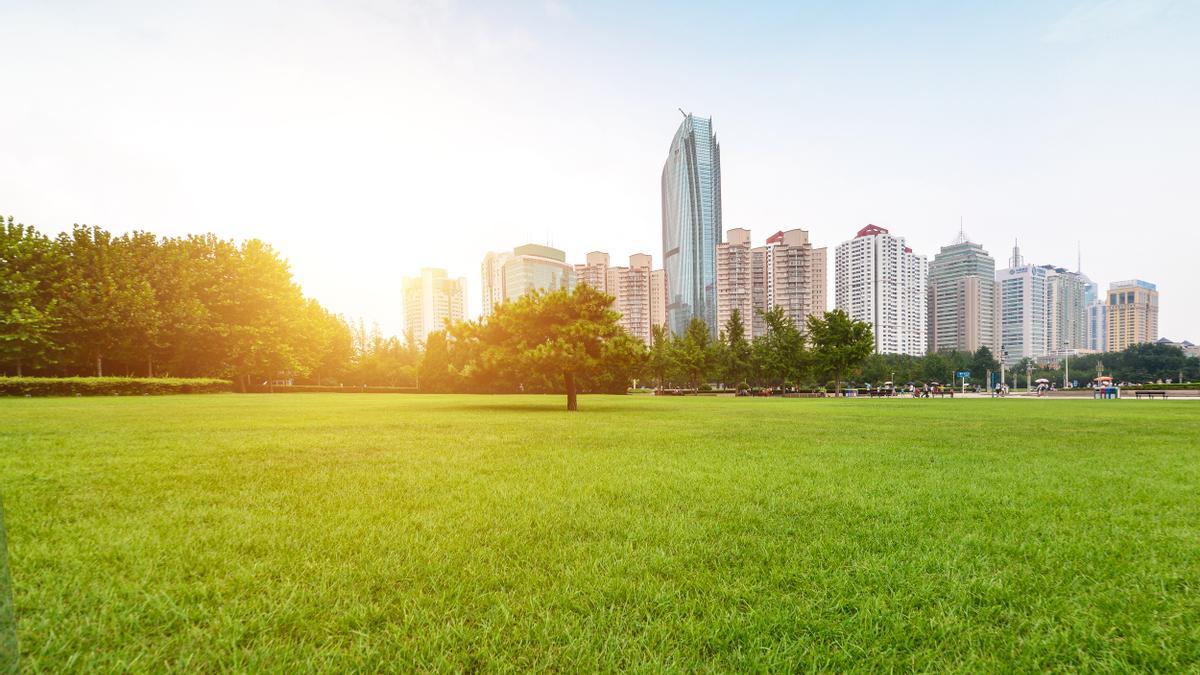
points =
(367, 139)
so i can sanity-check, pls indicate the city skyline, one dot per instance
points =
(830, 119)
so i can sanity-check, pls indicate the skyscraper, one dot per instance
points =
(631, 288)
(492, 280)
(962, 298)
(508, 276)
(734, 280)
(594, 272)
(691, 223)
(1066, 310)
(430, 300)
(1097, 325)
(658, 297)
(1132, 314)
(792, 276)
(879, 280)
(1022, 309)
(786, 272)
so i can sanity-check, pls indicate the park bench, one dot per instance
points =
(1150, 394)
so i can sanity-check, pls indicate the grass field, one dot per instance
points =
(337, 532)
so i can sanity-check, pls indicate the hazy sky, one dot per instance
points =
(367, 139)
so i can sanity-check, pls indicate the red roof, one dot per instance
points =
(870, 230)
(776, 238)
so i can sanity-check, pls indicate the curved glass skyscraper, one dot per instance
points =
(691, 216)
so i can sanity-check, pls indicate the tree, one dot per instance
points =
(982, 362)
(435, 373)
(737, 352)
(543, 336)
(779, 353)
(840, 344)
(695, 353)
(26, 335)
(661, 360)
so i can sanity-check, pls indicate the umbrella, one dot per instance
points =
(1104, 378)
(936, 384)
(887, 383)
(1041, 380)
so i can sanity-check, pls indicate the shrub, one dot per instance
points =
(313, 388)
(109, 386)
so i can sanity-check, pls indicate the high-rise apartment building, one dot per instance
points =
(594, 272)
(432, 299)
(1132, 314)
(691, 223)
(658, 297)
(734, 280)
(879, 280)
(786, 272)
(632, 289)
(962, 298)
(508, 276)
(794, 275)
(1022, 290)
(492, 278)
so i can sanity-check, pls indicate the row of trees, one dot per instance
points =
(90, 303)
(827, 348)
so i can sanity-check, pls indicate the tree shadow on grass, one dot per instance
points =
(518, 404)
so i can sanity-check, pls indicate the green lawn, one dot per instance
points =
(337, 532)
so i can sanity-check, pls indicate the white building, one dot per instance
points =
(432, 299)
(1022, 289)
(879, 280)
(508, 276)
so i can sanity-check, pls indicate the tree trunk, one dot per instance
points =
(572, 404)
(149, 366)
(242, 383)
(99, 366)
(19, 368)
(837, 384)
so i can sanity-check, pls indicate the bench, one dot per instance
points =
(1150, 394)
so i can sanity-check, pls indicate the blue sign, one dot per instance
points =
(962, 374)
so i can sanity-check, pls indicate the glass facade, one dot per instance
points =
(691, 213)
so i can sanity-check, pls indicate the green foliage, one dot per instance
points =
(738, 355)
(110, 386)
(840, 344)
(780, 357)
(695, 352)
(565, 340)
(409, 533)
(88, 302)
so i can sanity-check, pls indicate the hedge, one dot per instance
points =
(109, 386)
(1162, 387)
(325, 389)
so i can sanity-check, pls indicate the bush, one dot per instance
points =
(313, 388)
(109, 386)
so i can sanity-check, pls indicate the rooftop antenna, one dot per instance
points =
(681, 112)
(1078, 257)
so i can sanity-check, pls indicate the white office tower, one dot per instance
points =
(1022, 309)
(879, 280)
(432, 299)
